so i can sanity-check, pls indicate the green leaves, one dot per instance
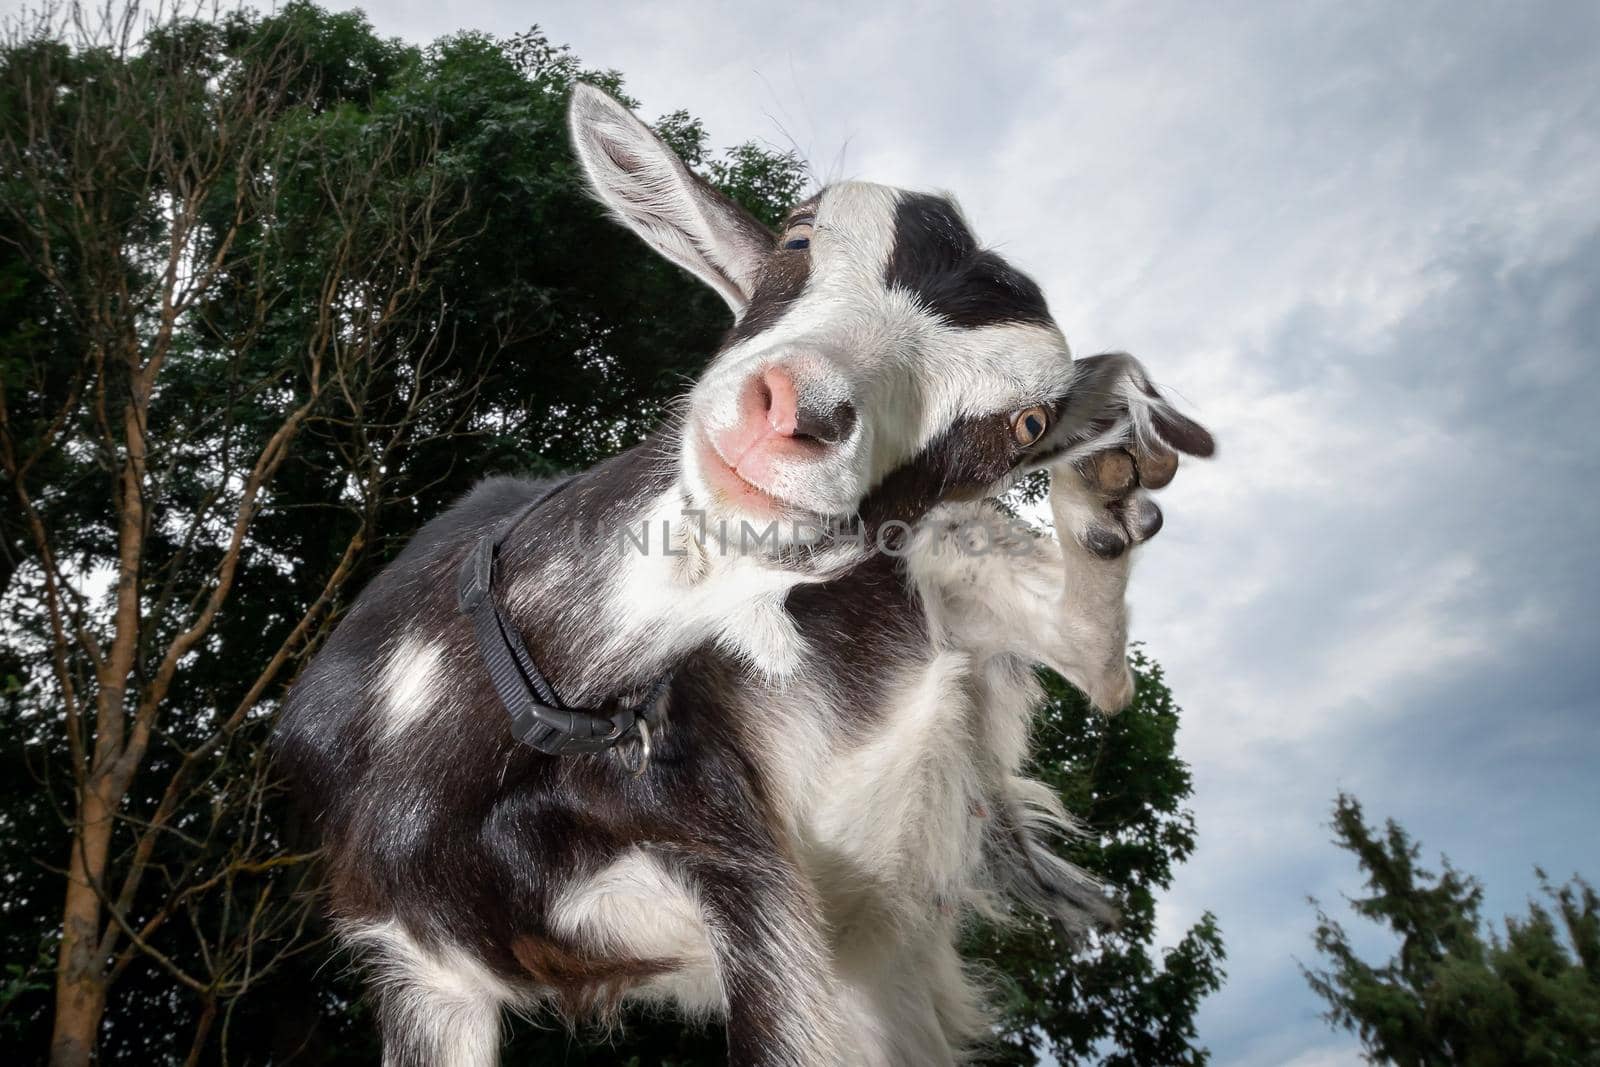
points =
(1118, 1000)
(1455, 991)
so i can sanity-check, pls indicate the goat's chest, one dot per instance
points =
(892, 789)
(900, 808)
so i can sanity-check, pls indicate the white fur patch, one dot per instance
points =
(666, 600)
(410, 684)
(917, 777)
(634, 908)
(448, 1003)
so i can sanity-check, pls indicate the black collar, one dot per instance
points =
(538, 717)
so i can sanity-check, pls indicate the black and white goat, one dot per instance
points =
(833, 776)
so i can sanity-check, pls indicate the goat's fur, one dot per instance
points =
(835, 785)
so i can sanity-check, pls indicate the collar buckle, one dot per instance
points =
(538, 717)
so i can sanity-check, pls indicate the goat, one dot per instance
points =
(827, 782)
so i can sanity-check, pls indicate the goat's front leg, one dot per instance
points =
(1101, 510)
(1127, 443)
(1063, 601)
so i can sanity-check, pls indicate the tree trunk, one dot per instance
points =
(80, 972)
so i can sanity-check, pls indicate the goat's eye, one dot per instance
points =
(797, 236)
(1029, 424)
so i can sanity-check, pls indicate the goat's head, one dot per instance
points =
(880, 361)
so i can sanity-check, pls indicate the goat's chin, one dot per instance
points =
(731, 523)
(722, 492)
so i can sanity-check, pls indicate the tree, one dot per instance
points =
(275, 290)
(1455, 992)
(133, 182)
(273, 285)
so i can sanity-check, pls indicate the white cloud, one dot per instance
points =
(1325, 1057)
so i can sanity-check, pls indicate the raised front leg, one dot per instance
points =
(1061, 602)
(1101, 509)
(1127, 443)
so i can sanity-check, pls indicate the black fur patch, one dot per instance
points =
(937, 258)
(969, 457)
(861, 625)
(782, 281)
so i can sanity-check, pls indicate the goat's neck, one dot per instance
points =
(612, 588)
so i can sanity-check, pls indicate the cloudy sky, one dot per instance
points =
(1362, 240)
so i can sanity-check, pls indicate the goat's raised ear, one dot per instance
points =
(647, 186)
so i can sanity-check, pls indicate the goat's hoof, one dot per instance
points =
(1132, 523)
(1120, 514)
(1112, 472)
(1104, 540)
(1156, 469)
(1105, 493)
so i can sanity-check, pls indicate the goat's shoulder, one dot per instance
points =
(392, 640)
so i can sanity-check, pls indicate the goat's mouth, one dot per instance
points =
(732, 489)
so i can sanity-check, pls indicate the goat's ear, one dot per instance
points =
(649, 189)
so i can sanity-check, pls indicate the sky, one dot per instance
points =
(1361, 241)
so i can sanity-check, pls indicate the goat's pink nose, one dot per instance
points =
(773, 398)
(777, 392)
(778, 423)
